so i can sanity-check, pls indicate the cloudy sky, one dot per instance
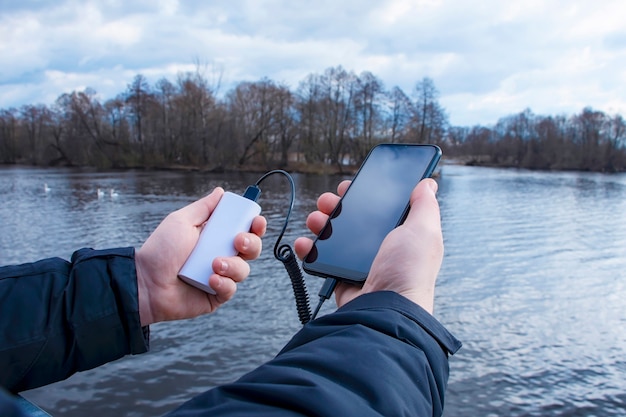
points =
(488, 59)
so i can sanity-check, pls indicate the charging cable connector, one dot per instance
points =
(252, 193)
(328, 287)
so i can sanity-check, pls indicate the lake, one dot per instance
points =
(532, 282)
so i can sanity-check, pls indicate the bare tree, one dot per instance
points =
(430, 120)
(138, 96)
(308, 104)
(400, 109)
(590, 127)
(286, 131)
(333, 118)
(327, 108)
(253, 109)
(9, 149)
(368, 126)
(615, 138)
(193, 108)
(35, 121)
(167, 139)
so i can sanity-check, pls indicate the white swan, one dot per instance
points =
(46, 189)
(113, 193)
(100, 193)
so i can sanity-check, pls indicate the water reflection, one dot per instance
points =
(532, 282)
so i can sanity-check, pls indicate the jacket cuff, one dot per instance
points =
(120, 264)
(394, 301)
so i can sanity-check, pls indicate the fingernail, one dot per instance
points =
(246, 243)
(223, 267)
(433, 185)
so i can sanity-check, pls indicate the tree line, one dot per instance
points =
(589, 141)
(330, 120)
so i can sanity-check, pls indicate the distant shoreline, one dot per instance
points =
(300, 168)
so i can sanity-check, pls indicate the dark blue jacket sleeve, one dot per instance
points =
(380, 355)
(60, 317)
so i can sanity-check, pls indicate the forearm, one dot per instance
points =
(62, 317)
(378, 355)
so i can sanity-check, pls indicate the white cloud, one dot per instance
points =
(488, 59)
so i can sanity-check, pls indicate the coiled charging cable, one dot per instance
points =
(286, 255)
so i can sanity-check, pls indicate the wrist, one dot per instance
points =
(143, 294)
(423, 296)
(424, 299)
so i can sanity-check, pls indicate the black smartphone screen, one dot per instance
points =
(376, 202)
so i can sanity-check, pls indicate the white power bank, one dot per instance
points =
(233, 214)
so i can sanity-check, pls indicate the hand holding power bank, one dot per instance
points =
(234, 214)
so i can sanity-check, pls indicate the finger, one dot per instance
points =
(232, 267)
(259, 226)
(343, 187)
(316, 221)
(225, 288)
(248, 245)
(424, 210)
(327, 202)
(302, 246)
(199, 211)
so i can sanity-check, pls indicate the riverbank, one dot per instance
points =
(318, 168)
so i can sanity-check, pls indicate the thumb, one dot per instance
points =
(199, 211)
(424, 205)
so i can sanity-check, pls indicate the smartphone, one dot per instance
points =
(376, 202)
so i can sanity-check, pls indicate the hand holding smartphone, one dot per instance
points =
(376, 202)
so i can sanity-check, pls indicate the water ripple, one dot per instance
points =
(532, 283)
